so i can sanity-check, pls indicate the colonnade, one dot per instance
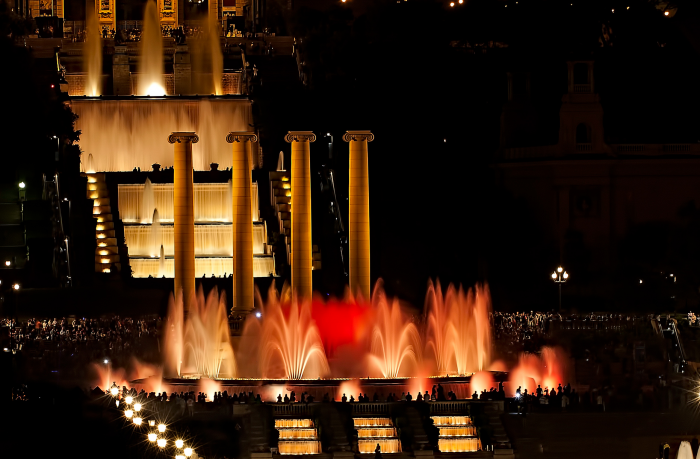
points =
(301, 241)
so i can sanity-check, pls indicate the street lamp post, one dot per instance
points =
(560, 276)
(330, 145)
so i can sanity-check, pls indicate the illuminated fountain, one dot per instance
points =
(547, 370)
(92, 56)
(288, 341)
(207, 61)
(148, 203)
(376, 431)
(199, 344)
(394, 340)
(459, 330)
(297, 436)
(155, 242)
(211, 202)
(151, 68)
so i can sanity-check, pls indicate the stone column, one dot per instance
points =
(301, 211)
(121, 75)
(183, 204)
(241, 190)
(182, 69)
(358, 212)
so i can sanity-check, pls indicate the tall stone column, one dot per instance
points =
(301, 211)
(241, 191)
(183, 204)
(358, 213)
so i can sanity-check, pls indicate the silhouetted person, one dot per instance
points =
(378, 452)
(343, 399)
(376, 397)
(419, 398)
(475, 396)
(279, 398)
(286, 398)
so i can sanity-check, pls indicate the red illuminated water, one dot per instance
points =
(548, 370)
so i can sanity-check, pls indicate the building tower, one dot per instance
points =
(242, 220)
(358, 214)
(183, 206)
(301, 211)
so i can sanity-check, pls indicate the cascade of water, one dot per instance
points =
(151, 67)
(161, 263)
(92, 56)
(229, 202)
(123, 134)
(147, 203)
(211, 202)
(156, 238)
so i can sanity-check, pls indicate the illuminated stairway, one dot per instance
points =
(376, 431)
(107, 251)
(297, 436)
(281, 200)
(457, 434)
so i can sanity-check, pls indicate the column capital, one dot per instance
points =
(350, 136)
(179, 137)
(300, 136)
(241, 136)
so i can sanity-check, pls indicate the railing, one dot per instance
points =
(658, 149)
(453, 406)
(291, 409)
(582, 88)
(371, 408)
(584, 147)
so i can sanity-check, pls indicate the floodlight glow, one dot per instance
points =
(161, 428)
(114, 391)
(137, 407)
(15, 286)
(560, 269)
(22, 185)
(162, 442)
(128, 413)
(129, 399)
(179, 443)
(152, 437)
(138, 421)
(188, 452)
(151, 423)
(554, 275)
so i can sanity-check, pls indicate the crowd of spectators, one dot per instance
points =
(70, 345)
(519, 327)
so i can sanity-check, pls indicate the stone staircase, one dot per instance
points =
(107, 251)
(316, 258)
(499, 437)
(281, 200)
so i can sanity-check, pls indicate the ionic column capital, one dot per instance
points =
(241, 136)
(350, 136)
(179, 137)
(300, 136)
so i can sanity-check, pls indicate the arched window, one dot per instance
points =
(583, 133)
